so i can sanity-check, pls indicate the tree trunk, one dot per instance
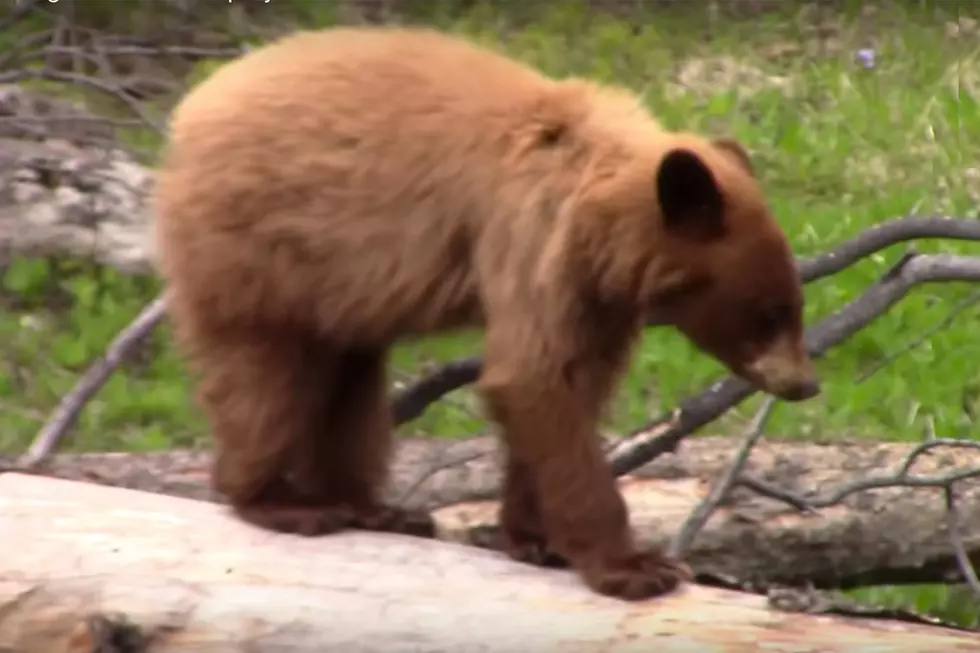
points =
(88, 568)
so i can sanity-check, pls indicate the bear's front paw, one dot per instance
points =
(638, 576)
(310, 521)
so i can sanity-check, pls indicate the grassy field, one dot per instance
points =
(852, 118)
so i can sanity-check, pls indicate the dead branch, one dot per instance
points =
(108, 88)
(152, 50)
(967, 570)
(71, 405)
(884, 235)
(901, 478)
(412, 401)
(440, 465)
(680, 544)
(24, 45)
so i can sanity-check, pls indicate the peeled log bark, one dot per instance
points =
(203, 581)
(883, 536)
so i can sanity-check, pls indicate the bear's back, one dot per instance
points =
(355, 106)
(367, 126)
(365, 165)
(352, 161)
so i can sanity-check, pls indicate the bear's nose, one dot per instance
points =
(800, 391)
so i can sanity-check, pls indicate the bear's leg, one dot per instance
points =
(548, 402)
(264, 394)
(522, 530)
(348, 463)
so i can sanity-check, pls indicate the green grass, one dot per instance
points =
(839, 148)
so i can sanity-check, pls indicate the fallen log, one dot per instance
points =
(892, 534)
(88, 568)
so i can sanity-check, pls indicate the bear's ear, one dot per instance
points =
(691, 202)
(736, 151)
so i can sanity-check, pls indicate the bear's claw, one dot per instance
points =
(639, 576)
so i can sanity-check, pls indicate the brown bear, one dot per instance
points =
(332, 192)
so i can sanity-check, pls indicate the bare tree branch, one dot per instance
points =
(898, 479)
(151, 50)
(83, 80)
(762, 488)
(445, 463)
(412, 401)
(681, 542)
(901, 478)
(624, 446)
(14, 52)
(884, 235)
(71, 405)
(934, 443)
(956, 537)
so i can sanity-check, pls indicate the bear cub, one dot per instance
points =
(332, 192)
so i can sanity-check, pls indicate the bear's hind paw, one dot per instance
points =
(639, 576)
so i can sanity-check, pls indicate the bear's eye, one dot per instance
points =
(673, 296)
(670, 297)
(772, 319)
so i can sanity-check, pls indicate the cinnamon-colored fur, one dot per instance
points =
(325, 195)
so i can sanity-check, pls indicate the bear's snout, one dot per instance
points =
(801, 391)
(785, 370)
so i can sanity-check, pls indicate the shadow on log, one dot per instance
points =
(91, 568)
